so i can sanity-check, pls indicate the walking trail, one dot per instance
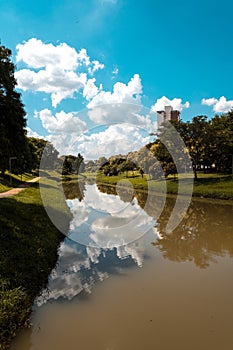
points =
(16, 190)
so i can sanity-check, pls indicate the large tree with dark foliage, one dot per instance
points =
(73, 165)
(13, 142)
(209, 143)
(221, 142)
(44, 154)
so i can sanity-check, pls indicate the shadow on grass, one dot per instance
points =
(5, 180)
(28, 244)
(28, 252)
(213, 180)
(47, 175)
(202, 180)
(44, 185)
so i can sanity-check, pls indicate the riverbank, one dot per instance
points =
(214, 186)
(9, 181)
(20, 188)
(28, 250)
(29, 241)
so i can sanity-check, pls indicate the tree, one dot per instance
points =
(67, 166)
(13, 141)
(196, 138)
(90, 166)
(26, 162)
(141, 171)
(144, 158)
(164, 155)
(79, 164)
(156, 171)
(46, 153)
(37, 147)
(208, 142)
(73, 164)
(222, 142)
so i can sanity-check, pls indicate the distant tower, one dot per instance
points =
(168, 114)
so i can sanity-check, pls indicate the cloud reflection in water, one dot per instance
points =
(106, 235)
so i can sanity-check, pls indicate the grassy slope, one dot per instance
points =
(207, 185)
(16, 180)
(28, 252)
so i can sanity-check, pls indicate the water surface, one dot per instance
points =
(122, 282)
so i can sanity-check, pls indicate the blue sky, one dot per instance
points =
(74, 55)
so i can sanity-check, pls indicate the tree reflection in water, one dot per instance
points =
(204, 233)
(74, 189)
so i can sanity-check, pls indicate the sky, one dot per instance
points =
(93, 73)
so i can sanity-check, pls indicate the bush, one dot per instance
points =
(14, 310)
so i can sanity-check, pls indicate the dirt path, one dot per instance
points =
(16, 190)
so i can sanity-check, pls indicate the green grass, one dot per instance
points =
(207, 185)
(86, 175)
(220, 186)
(16, 180)
(28, 252)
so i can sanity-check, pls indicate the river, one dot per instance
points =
(122, 282)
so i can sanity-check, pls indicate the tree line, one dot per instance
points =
(209, 143)
(12, 117)
(18, 153)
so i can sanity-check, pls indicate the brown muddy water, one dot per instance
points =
(121, 282)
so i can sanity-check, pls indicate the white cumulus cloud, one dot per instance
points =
(122, 93)
(123, 104)
(90, 89)
(57, 82)
(36, 54)
(62, 122)
(209, 101)
(116, 113)
(115, 139)
(59, 70)
(219, 106)
(96, 65)
(176, 103)
(31, 133)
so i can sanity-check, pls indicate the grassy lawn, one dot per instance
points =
(88, 175)
(28, 251)
(218, 186)
(16, 180)
(207, 185)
